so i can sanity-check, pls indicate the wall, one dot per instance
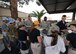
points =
(6, 12)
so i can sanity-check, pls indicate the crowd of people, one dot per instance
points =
(28, 37)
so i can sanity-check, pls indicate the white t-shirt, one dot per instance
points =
(56, 49)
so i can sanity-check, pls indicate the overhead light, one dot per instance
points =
(68, 7)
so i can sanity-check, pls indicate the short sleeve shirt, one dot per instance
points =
(22, 35)
(72, 38)
(33, 35)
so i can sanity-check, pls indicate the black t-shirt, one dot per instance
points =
(72, 38)
(33, 35)
(22, 35)
(61, 25)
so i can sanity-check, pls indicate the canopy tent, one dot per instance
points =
(59, 6)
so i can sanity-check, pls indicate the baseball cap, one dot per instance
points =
(36, 23)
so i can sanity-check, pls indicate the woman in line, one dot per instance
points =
(53, 43)
(35, 39)
(22, 38)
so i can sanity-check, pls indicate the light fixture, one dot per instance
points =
(68, 7)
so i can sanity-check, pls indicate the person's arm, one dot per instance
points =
(67, 39)
(28, 38)
(62, 45)
(39, 39)
(66, 42)
(16, 35)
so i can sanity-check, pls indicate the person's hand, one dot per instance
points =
(66, 42)
(44, 31)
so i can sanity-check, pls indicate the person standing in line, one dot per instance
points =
(22, 38)
(63, 27)
(5, 30)
(53, 43)
(18, 22)
(28, 22)
(35, 39)
(71, 38)
(62, 24)
(44, 24)
(12, 30)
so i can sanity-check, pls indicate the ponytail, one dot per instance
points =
(55, 38)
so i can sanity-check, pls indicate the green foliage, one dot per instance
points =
(38, 14)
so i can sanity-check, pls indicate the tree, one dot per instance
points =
(38, 14)
(13, 8)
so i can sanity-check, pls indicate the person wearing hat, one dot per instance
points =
(53, 43)
(71, 38)
(35, 39)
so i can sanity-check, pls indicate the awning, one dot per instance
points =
(59, 6)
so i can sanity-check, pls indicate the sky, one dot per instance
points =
(31, 7)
